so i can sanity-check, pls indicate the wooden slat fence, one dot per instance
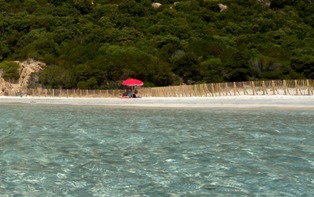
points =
(278, 87)
(271, 87)
(73, 93)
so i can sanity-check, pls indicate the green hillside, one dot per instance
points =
(97, 43)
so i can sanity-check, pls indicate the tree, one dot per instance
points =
(56, 2)
(304, 65)
(186, 66)
(56, 77)
(84, 6)
(31, 5)
(132, 7)
(213, 70)
(10, 71)
(4, 50)
(279, 4)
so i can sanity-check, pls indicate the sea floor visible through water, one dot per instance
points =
(103, 151)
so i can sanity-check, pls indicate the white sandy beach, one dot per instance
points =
(261, 101)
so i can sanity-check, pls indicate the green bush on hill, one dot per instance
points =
(10, 71)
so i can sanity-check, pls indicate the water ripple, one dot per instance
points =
(89, 151)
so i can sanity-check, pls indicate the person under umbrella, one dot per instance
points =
(132, 83)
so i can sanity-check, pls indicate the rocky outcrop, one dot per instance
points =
(223, 8)
(5, 87)
(156, 5)
(264, 2)
(25, 70)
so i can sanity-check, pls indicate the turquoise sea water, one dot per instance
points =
(101, 151)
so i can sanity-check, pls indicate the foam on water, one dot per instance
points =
(99, 151)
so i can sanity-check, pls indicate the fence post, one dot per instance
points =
(273, 87)
(234, 89)
(244, 89)
(296, 87)
(186, 91)
(308, 87)
(253, 87)
(201, 90)
(204, 88)
(219, 91)
(264, 87)
(212, 89)
(195, 90)
(227, 89)
(285, 87)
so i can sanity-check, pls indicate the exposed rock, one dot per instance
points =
(174, 5)
(26, 69)
(223, 8)
(156, 5)
(264, 2)
(5, 87)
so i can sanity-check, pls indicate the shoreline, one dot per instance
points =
(235, 102)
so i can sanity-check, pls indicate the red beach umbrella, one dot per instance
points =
(132, 82)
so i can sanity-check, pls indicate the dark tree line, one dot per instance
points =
(98, 43)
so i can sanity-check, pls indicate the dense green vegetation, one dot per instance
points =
(9, 71)
(98, 43)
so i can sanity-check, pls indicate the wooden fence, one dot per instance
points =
(278, 87)
(273, 87)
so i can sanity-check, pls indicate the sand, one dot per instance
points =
(240, 102)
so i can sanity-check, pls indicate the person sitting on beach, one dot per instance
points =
(130, 94)
(135, 92)
(125, 94)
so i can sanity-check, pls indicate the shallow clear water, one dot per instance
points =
(99, 151)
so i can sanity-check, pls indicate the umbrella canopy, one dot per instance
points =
(132, 82)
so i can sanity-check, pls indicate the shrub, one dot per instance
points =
(10, 71)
